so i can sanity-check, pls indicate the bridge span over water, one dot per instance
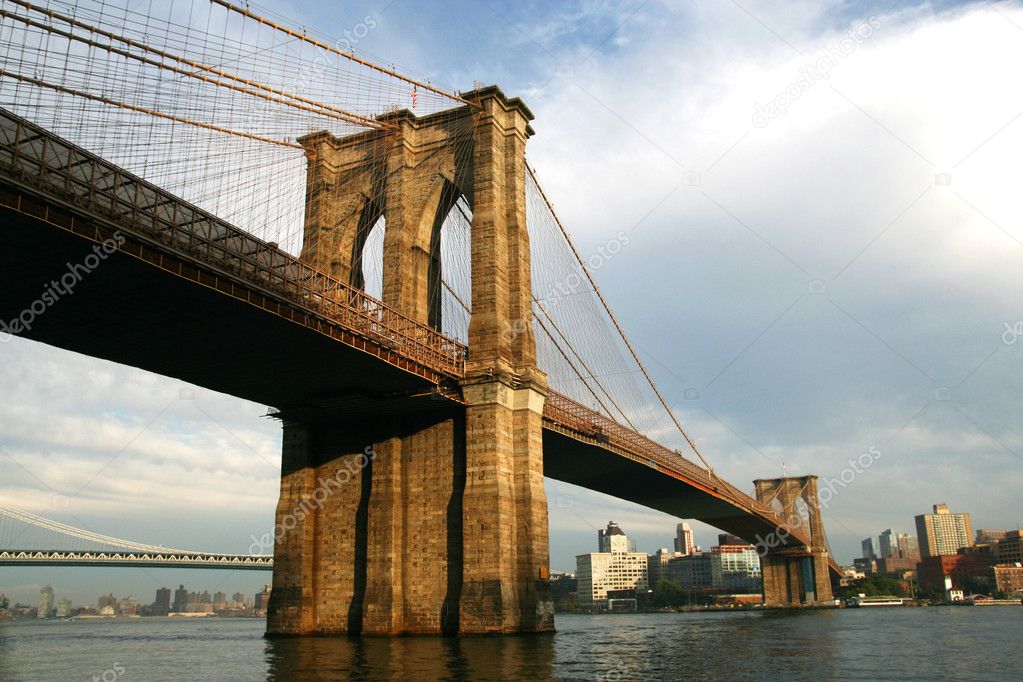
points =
(442, 399)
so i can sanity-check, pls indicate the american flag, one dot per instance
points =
(415, 96)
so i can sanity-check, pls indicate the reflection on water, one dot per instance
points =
(411, 658)
(979, 643)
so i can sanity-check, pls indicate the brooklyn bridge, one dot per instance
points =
(224, 199)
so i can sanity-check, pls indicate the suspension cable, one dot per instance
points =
(144, 110)
(330, 48)
(614, 320)
(299, 103)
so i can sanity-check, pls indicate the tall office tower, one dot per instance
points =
(684, 539)
(45, 602)
(908, 548)
(887, 547)
(943, 532)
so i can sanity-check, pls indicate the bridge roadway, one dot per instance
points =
(189, 296)
(55, 557)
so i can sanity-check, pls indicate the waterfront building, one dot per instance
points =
(1009, 549)
(129, 606)
(616, 568)
(64, 608)
(602, 572)
(107, 600)
(162, 603)
(45, 609)
(220, 600)
(684, 539)
(691, 571)
(657, 565)
(180, 599)
(932, 570)
(867, 545)
(1009, 579)
(239, 600)
(735, 568)
(262, 600)
(942, 532)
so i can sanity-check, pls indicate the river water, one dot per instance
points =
(936, 643)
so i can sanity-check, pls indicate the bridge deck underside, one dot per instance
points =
(596, 468)
(132, 313)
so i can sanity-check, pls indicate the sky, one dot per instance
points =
(825, 250)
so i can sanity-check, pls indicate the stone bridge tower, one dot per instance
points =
(793, 576)
(411, 522)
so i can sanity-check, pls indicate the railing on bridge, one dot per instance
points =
(565, 413)
(36, 557)
(31, 156)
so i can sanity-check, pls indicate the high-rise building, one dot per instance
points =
(614, 539)
(989, 536)
(263, 598)
(129, 606)
(602, 572)
(684, 539)
(942, 532)
(615, 568)
(735, 568)
(162, 603)
(180, 599)
(691, 571)
(107, 600)
(656, 566)
(4, 603)
(886, 545)
(205, 598)
(1009, 549)
(219, 600)
(64, 608)
(45, 609)
(868, 549)
(908, 549)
